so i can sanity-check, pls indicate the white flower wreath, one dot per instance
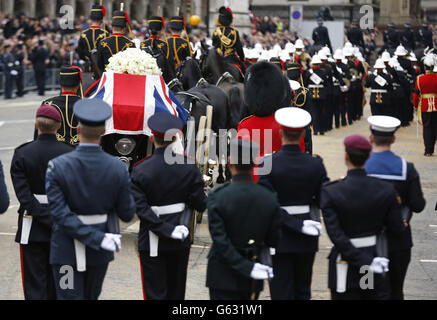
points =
(134, 61)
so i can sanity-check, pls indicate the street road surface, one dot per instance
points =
(123, 280)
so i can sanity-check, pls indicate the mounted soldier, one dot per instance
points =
(226, 40)
(89, 40)
(115, 43)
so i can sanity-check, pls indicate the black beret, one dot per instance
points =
(264, 89)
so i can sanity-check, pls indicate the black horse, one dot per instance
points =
(197, 96)
(226, 77)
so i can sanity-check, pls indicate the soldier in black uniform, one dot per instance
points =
(89, 39)
(354, 225)
(156, 24)
(4, 196)
(116, 42)
(407, 38)
(381, 86)
(355, 35)
(28, 171)
(334, 88)
(297, 179)
(424, 37)
(340, 101)
(391, 38)
(355, 94)
(226, 40)
(244, 221)
(179, 48)
(70, 81)
(385, 165)
(321, 35)
(317, 80)
(163, 193)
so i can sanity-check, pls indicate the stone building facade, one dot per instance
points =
(137, 9)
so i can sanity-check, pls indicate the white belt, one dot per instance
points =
(315, 86)
(161, 211)
(297, 209)
(26, 225)
(378, 91)
(342, 266)
(42, 198)
(79, 247)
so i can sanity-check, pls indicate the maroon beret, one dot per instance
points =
(356, 141)
(48, 111)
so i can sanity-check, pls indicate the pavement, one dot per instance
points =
(123, 280)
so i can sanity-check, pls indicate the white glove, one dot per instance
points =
(379, 265)
(312, 228)
(180, 233)
(14, 72)
(111, 242)
(261, 272)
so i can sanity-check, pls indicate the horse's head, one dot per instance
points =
(189, 73)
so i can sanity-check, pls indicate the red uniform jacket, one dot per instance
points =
(425, 94)
(265, 132)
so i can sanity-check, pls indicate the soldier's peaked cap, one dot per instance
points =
(383, 125)
(69, 76)
(156, 23)
(92, 112)
(164, 123)
(292, 119)
(264, 88)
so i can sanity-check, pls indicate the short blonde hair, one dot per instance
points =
(91, 133)
(47, 125)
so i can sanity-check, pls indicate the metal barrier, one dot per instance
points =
(29, 83)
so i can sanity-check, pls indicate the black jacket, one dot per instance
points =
(28, 173)
(156, 183)
(297, 179)
(357, 206)
(4, 196)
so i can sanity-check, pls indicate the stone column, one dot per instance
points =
(48, 8)
(7, 6)
(139, 9)
(108, 6)
(31, 8)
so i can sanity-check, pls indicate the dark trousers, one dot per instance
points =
(317, 108)
(19, 84)
(336, 110)
(398, 267)
(293, 273)
(36, 272)
(85, 285)
(308, 140)
(9, 85)
(164, 277)
(350, 107)
(329, 112)
(40, 78)
(218, 294)
(343, 109)
(429, 120)
(355, 104)
(381, 291)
